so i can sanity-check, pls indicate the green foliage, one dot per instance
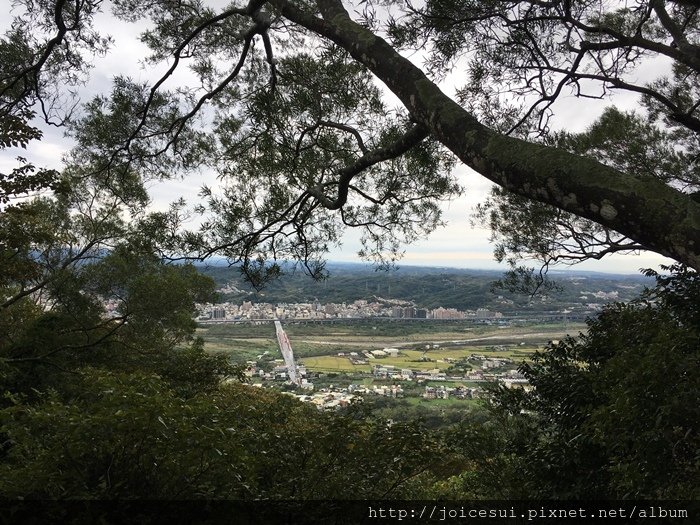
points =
(126, 403)
(295, 145)
(631, 142)
(614, 413)
(130, 436)
(38, 62)
(152, 318)
(109, 124)
(26, 178)
(529, 230)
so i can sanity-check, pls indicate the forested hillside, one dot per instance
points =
(426, 287)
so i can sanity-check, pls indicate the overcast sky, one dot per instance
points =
(458, 244)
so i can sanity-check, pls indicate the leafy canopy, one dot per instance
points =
(284, 106)
(612, 413)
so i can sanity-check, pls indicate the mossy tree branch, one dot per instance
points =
(644, 209)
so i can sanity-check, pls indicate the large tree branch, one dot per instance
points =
(24, 292)
(117, 323)
(676, 32)
(34, 69)
(403, 144)
(687, 55)
(642, 208)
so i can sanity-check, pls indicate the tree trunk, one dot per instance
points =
(644, 209)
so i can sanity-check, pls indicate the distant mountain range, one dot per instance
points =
(220, 262)
(427, 287)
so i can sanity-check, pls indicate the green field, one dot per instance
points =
(412, 359)
(331, 363)
(318, 345)
(437, 403)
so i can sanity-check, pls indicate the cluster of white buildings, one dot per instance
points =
(377, 390)
(328, 399)
(279, 372)
(312, 311)
(316, 311)
(405, 374)
(334, 398)
(445, 392)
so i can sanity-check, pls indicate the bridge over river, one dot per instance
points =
(287, 354)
